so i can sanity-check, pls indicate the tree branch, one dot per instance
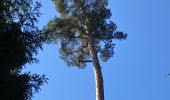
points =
(85, 61)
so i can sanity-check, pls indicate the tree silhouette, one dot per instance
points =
(20, 86)
(20, 39)
(85, 34)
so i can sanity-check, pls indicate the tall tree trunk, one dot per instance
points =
(97, 67)
(97, 72)
(99, 83)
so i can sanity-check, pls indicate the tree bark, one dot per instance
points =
(97, 72)
(97, 67)
(99, 83)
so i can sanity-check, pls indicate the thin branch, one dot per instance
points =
(85, 61)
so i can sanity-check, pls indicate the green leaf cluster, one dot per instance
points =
(70, 28)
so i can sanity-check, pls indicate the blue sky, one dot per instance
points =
(139, 68)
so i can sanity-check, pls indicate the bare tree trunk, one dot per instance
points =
(97, 72)
(99, 83)
(97, 68)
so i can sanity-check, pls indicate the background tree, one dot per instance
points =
(85, 34)
(20, 39)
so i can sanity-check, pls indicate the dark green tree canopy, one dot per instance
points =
(20, 39)
(76, 16)
(20, 86)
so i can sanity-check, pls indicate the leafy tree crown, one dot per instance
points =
(70, 29)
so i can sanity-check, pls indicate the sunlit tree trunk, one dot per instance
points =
(99, 82)
(97, 67)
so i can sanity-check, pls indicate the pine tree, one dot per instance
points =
(20, 39)
(85, 33)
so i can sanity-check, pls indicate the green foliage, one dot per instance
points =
(17, 47)
(20, 86)
(61, 5)
(20, 39)
(70, 30)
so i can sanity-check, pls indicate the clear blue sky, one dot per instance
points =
(139, 68)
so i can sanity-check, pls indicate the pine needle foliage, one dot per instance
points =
(69, 29)
(20, 39)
